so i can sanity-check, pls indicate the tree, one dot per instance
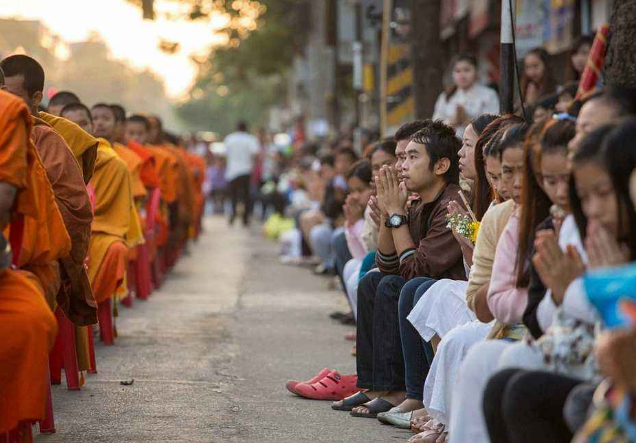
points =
(427, 55)
(244, 78)
(620, 61)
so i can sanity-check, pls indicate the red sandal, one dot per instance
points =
(333, 387)
(291, 384)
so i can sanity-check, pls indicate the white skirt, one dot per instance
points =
(441, 309)
(351, 277)
(444, 372)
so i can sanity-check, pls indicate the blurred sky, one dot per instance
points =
(129, 37)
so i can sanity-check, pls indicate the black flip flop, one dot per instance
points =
(354, 401)
(375, 406)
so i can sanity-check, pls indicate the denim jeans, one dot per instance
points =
(418, 354)
(380, 362)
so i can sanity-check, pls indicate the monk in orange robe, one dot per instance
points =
(136, 135)
(113, 217)
(27, 325)
(198, 167)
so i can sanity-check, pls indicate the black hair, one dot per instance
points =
(64, 98)
(620, 159)
(535, 203)
(469, 58)
(361, 170)
(120, 112)
(28, 68)
(581, 41)
(77, 107)
(589, 151)
(548, 84)
(441, 141)
(386, 145)
(408, 130)
(569, 88)
(241, 126)
(138, 118)
(349, 152)
(480, 122)
(513, 137)
(556, 135)
(327, 159)
(105, 106)
(1, 77)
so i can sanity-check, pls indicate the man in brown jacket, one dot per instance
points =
(413, 242)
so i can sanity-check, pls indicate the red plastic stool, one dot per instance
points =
(47, 426)
(64, 354)
(91, 351)
(143, 278)
(105, 317)
(22, 433)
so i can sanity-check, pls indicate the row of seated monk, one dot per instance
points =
(90, 198)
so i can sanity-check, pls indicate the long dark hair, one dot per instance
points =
(535, 204)
(482, 192)
(588, 151)
(387, 145)
(479, 124)
(361, 170)
(581, 41)
(548, 84)
(459, 58)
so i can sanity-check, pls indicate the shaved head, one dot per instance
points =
(61, 99)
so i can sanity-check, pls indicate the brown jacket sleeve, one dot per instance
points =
(437, 253)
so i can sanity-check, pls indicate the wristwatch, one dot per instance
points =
(395, 221)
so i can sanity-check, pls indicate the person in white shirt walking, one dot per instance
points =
(242, 148)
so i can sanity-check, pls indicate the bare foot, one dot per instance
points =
(410, 405)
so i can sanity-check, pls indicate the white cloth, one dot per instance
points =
(476, 101)
(441, 308)
(241, 149)
(351, 277)
(467, 423)
(444, 371)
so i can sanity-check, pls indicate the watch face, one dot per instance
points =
(395, 220)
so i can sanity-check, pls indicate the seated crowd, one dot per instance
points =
(466, 264)
(95, 205)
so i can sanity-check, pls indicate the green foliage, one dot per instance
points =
(250, 76)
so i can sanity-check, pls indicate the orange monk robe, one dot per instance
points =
(148, 169)
(113, 219)
(46, 240)
(134, 163)
(83, 145)
(27, 325)
(185, 190)
(76, 297)
(166, 166)
(198, 168)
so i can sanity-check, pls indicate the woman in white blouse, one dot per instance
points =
(466, 99)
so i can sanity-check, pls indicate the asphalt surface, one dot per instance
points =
(210, 352)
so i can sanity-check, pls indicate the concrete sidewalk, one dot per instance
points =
(210, 353)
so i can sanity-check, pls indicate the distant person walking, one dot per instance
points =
(242, 148)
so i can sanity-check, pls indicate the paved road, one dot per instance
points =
(210, 353)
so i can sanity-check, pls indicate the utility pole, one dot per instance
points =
(508, 62)
(427, 55)
(333, 41)
(358, 62)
